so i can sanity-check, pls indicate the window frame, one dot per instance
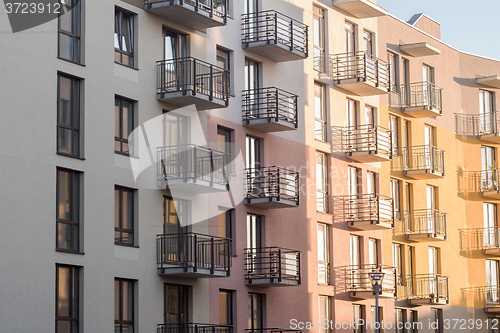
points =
(76, 19)
(393, 61)
(324, 228)
(121, 139)
(75, 177)
(76, 93)
(120, 228)
(368, 42)
(259, 298)
(328, 306)
(229, 306)
(397, 262)
(394, 128)
(395, 189)
(324, 177)
(321, 88)
(119, 50)
(319, 15)
(120, 320)
(74, 278)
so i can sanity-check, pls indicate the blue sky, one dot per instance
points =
(469, 25)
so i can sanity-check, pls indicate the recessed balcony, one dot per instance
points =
(360, 8)
(485, 126)
(422, 49)
(271, 187)
(193, 169)
(421, 100)
(364, 143)
(272, 267)
(186, 81)
(270, 110)
(424, 225)
(195, 14)
(423, 289)
(492, 299)
(423, 162)
(365, 211)
(194, 328)
(360, 73)
(359, 284)
(489, 187)
(274, 36)
(193, 255)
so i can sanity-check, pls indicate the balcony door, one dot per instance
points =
(250, 6)
(428, 162)
(255, 243)
(492, 280)
(397, 262)
(433, 269)
(355, 261)
(352, 188)
(488, 164)
(490, 234)
(176, 307)
(487, 121)
(175, 138)
(174, 224)
(353, 137)
(373, 252)
(431, 207)
(253, 99)
(350, 48)
(323, 255)
(174, 49)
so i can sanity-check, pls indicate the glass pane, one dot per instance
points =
(63, 326)
(63, 292)
(76, 50)
(77, 18)
(65, 46)
(129, 307)
(65, 100)
(76, 103)
(222, 227)
(127, 32)
(75, 238)
(66, 19)
(223, 307)
(76, 143)
(117, 208)
(117, 300)
(63, 192)
(63, 236)
(128, 119)
(64, 143)
(75, 292)
(127, 209)
(118, 57)
(117, 30)
(117, 117)
(76, 196)
(75, 327)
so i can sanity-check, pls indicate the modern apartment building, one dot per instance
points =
(263, 159)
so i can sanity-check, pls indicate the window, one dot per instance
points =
(369, 115)
(124, 216)
(494, 324)
(174, 45)
(352, 117)
(406, 134)
(321, 182)
(252, 74)
(124, 37)
(437, 324)
(374, 318)
(490, 235)
(224, 61)
(371, 183)
(355, 245)
(394, 128)
(124, 306)
(367, 42)
(400, 317)
(319, 38)
(323, 254)
(69, 31)
(427, 74)
(255, 306)
(255, 231)
(414, 323)
(392, 60)
(409, 196)
(349, 37)
(411, 261)
(67, 299)
(253, 152)
(397, 261)
(68, 116)
(124, 125)
(357, 315)
(174, 216)
(176, 306)
(225, 144)
(373, 251)
(320, 111)
(486, 108)
(225, 307)
(324, 313)
(396, 197)
(68, 210)
(224, 223)
(352, 180)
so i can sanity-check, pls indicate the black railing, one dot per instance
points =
(424, 158)
(193, 251)
(196, 162)
(363, 138)
(274, 28)
(424, 286)
(364, 208)
(272, 263)
(194, 328)
(475, 125)
(270, 103)
(211, 7)
(362, 66)
(489, 180)
(191, 74)
(272, 182)
(357, 278)
(425, 221)
(422, 94)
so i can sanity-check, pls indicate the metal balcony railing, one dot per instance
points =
(272, 27)
(211, 7)
(194, 328)
(424, 286)
(492, 296)
(193, 251)
(191, 74)
(364, 207)
(272, 182)
(272, 263)
(489, 180)
(424, 158)
(422, 94)
(358, 280)
(362, 66)
(196, 162)
(363, 138)
(425, 221)
(270, 103)
(319, 61)
(475, 125)
(480, 239)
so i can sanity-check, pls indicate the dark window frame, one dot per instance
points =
(121, 12)
(259, 298)
(229, 309)
(120, 228)
(121, 140)
(183, 304)
(76, 90)
(76, 17)
(74, 178)
(75, 286)
(120, 320)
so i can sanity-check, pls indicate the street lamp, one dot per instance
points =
(376, 279)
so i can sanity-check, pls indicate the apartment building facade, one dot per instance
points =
(268, 155)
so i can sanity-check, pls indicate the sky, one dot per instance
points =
(470, 26)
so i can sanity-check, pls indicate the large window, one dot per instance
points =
(321, 182)
(124, 125)
(394, 128)
(396, 197)
(324, 313)
(67, 299)
(69, 31)
(392, 60)
(124, 215)
(124, 37)
(68, 116)
(225, 143)
(357, 316)
(368, 42)
(176, 304)
(320, 111)
(255, 308)
(400, 317)
(224, 61)
(225, 307)
(323, 254)
(68, 210)
(124, 306)
(319, 38)
(397, 261)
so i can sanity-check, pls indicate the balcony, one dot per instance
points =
(479, 126)
(274, 36)
(422, 49)
(271, 187)
(424, 225)
(365, 211)
(272, 267)
(358, 282)
(492, 299)
(194, 328)
(364, 143)
(423, 289)
(195, 14)
(422, 99)
(492, 81)
(270, 110)
(186, 81)
(360, 73)
(193, 169)
(360, 8)
(489, 187)
(423, 162)
(486, 240)
(193, 255)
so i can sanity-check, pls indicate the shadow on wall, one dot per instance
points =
(465, 82)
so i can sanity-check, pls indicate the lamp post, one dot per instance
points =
(376, 279)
